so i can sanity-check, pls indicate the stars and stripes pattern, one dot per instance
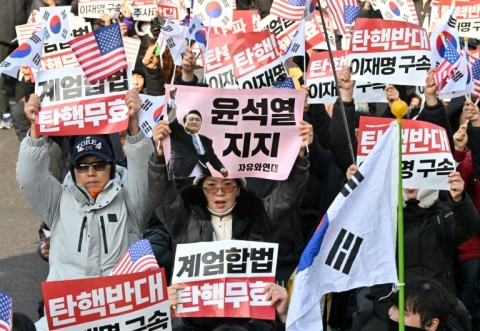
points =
(459, 79)
(450, 61)
(139, 257)
(25, 31)
(447, 26)
(475, 62)
(288, 9)
(343, 13)
(5, 312)
(100, 53)
(287, 83)
(132, 45)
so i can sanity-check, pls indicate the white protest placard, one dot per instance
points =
(427, 159)
(95, 8)
(390, 52)
(72, 106)
(321, 82)
(225, 278)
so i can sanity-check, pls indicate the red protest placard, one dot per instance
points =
(72, 106)
(427, 159)
(124, 302)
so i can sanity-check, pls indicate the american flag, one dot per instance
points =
(287, 83)
(25, 31)
(139, 257)
(459, 80)
(132, 45)
(475, 61)
(448, 64)
(291, 10)
(344, 13)
(100, 53)
(5, 312)
(447, 26)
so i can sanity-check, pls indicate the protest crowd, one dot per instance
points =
(219, 165)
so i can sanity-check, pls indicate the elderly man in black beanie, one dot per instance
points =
(99, 210)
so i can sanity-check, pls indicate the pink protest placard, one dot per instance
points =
(248, 133)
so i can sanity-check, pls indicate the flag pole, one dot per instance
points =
(399, 109)
(204, 79)
(342, 108)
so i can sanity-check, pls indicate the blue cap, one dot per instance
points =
(91, 145)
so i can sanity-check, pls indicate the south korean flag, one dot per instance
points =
(27, 54)
(214, 13)
(55, 20)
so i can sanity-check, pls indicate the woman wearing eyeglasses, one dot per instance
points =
(215, 209)
(221, 208)
(98, 211)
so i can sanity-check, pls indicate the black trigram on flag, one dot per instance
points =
(344, 251)
(36, 39)
(146, 105)
(352, 184)
(452, 22)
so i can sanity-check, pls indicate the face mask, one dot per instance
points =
(393, 326)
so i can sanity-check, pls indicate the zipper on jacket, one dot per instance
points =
(81, 234)
(102, 224)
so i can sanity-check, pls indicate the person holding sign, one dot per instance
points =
(213, 209)
(192, 216)
(99, 210)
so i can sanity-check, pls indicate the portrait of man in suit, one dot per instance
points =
(191, 151)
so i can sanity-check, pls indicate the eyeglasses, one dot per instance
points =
(226, 188)
(97, 166)
(194, 119)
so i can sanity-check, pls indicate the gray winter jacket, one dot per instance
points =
(88, 236)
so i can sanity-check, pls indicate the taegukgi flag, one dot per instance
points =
(55, 21)
(354, 244)
(27, 54)
(214, 13)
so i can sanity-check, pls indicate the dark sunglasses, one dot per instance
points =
(97, 166)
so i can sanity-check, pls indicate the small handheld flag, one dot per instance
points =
(100, 53)
(139, 257)
(5, 312)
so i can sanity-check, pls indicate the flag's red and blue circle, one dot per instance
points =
(394, 8)
(213, 9)
(157, 114)
(22, 51)
(441, 46)
(55, 24)
(201, 37)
